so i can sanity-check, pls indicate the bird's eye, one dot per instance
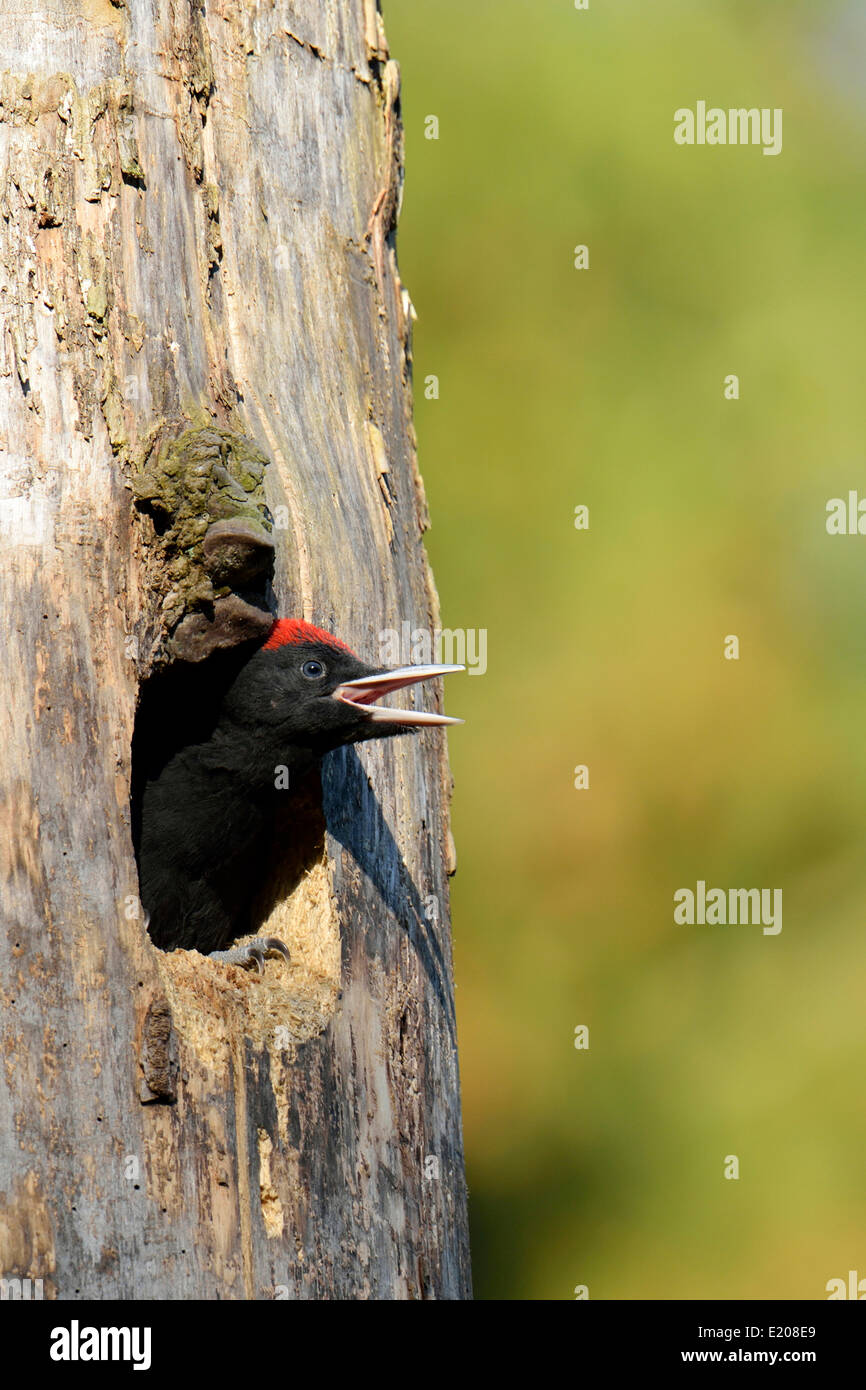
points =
(313, 670)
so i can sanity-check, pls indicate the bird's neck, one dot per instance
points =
(256, 762)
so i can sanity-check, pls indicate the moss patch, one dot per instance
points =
(185, 484)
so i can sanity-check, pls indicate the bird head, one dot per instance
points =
(313, 691)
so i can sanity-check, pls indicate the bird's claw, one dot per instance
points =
(253, 953)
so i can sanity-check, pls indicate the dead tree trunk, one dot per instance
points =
(199, 300)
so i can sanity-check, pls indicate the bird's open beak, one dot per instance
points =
(361, 693)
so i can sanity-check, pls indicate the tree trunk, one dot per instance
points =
(198, 281)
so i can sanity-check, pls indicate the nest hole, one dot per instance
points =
(179, 707)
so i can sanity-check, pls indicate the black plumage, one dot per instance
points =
(207, 796)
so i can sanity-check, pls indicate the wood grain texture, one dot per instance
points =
(197, 211)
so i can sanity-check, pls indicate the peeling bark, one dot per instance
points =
(198, 201)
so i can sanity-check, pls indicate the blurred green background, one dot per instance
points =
(707, 517)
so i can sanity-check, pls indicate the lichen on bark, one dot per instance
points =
(203, 490)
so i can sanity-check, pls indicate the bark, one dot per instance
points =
(197, 271)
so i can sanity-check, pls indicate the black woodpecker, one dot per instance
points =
(204, 813)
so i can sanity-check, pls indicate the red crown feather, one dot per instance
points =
(287, 630)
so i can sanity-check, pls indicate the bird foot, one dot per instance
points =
(253, 953)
